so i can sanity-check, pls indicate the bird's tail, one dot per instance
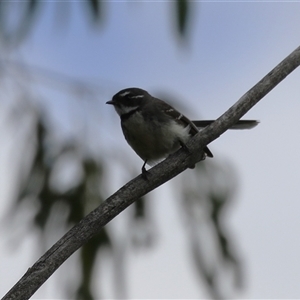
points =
(241, 124)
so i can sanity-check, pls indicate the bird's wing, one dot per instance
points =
(181, 119)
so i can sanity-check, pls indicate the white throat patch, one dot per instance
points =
(122, 110)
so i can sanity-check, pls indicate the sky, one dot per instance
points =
(230, 46)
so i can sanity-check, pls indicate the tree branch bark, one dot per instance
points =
(136, 188)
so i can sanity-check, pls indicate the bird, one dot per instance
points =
(154, 129)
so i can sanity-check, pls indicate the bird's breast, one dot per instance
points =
(152, 140)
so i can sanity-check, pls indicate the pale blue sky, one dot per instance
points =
(230, 47)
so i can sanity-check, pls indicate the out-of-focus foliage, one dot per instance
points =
(183, 11)
(205, 198)
(28, 13)
(63, 180)
(66, 203)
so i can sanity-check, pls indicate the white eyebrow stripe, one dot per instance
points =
(138, 96)
(124, 94)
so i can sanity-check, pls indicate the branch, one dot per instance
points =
(138, 187)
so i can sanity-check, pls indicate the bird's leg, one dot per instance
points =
(144, 171)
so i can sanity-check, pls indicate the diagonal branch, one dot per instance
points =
(136, 188)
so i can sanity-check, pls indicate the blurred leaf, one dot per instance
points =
(13, 34)
(88, 255)
(141, 226)
(95, 6)
(26, 21)
(16, 34)
(205, 198)
(78, 200)
(139, 208)
(182, 9)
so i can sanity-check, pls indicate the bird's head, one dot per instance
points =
(128, 100)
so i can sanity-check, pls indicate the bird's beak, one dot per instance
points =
(112, 102)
